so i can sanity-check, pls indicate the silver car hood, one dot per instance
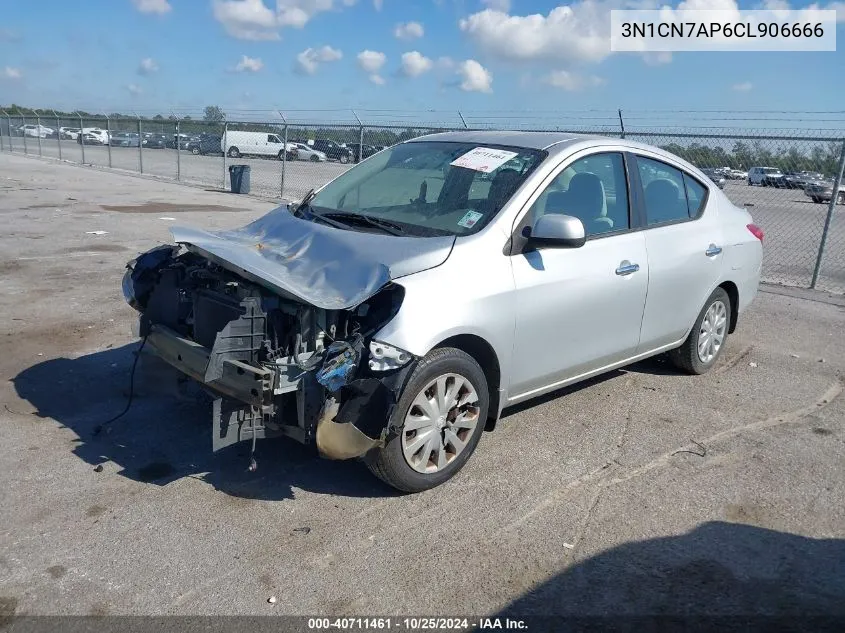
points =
(330, 268)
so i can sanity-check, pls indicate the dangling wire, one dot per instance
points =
(98, 429)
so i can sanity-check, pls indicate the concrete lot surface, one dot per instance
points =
(642, 492)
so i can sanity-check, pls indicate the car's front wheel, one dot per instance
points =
(708, 336)
(344, 158)
(440, 417)
(234, 153)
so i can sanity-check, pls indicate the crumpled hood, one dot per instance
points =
(330, 268)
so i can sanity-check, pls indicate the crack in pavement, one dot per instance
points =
(604, 474)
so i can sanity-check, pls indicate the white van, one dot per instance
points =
(236, 144)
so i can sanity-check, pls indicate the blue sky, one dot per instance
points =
(474, 55)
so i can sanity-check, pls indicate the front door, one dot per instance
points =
(580, 309)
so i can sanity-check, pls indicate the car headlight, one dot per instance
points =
(384, 357)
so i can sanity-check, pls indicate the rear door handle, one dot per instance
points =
(713, 250)
(627, 268)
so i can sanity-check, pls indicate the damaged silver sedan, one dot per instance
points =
(392, 314)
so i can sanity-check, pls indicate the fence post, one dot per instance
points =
(284, 164)
(2, 145)
(225, 143)
(178, 155)
(108, 136)
(9, 129)
(38, 129)
(23, 125)
(621, 123)
(58, 133)
(830, 208)
(140, 147)
(463, 120)
(81, 137)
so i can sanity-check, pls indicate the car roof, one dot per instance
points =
(517, 138)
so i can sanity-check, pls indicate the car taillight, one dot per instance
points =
(756, 231)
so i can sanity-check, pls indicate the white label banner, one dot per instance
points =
(672, 30)
(483, 159)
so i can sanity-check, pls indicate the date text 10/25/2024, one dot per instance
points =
(416, 624)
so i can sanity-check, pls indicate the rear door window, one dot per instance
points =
(666, 193)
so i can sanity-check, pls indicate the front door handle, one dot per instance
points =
(713, 250)
(627, 268)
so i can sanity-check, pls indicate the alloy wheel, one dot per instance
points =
(711, 335)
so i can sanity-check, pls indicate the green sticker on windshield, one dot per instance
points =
(470, 219)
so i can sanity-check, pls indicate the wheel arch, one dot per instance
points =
(733, 294)
(486, 357)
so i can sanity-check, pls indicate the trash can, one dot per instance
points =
(239, 178)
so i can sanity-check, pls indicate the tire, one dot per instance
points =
(390, 463)
(233, 152)
(841, 198)
(314, 158)
(344, 158)
(816, 199)
(749, 183)
(687, 356)
(195, 151)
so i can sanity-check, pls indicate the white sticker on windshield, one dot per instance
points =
(470, 219)
(483, 159)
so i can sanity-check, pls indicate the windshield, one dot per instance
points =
(770, 170)
(415, 186)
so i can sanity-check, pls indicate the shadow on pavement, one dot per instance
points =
(720, 576)
(166, 435)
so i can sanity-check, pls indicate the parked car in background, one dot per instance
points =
(307, 153)
(205, 144)
(333, 332)
(87, 138)
(800, 179)
(715, 175)
(69, 133)
(357, 154)
(332, 150)
(36, 131)
(101, 134)
(179, 141)
(766, 177)
(822, 191)
(238, 143)
(736, 174)
(124, 139)
(154, 141)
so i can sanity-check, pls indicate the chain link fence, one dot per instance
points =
(785, 178)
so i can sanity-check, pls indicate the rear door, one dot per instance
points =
(684, 240)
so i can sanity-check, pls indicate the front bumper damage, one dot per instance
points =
(273, 364)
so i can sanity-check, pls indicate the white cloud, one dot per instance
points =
(371, 61)
(572, 82)
(11, 73)
(474, 77)
(147, 66)
(249, 64)
(376, 79)
(134, 89)
(657, 58)
(497, 5)
(415, 63)
(152, 6)
(409, 31)
(744, 86)
(309, 60)
(254, 20)
(378, 4)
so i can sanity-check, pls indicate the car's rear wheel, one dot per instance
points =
(195, 151)
(234, 152)
(708, 336)
(440, 416)
(344, 158)
(314, 158)
(816, 199)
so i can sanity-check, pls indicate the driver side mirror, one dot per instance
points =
(556, 231)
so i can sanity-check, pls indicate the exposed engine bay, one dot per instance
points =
(275, 365)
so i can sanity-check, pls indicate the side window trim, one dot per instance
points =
(684, 174)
